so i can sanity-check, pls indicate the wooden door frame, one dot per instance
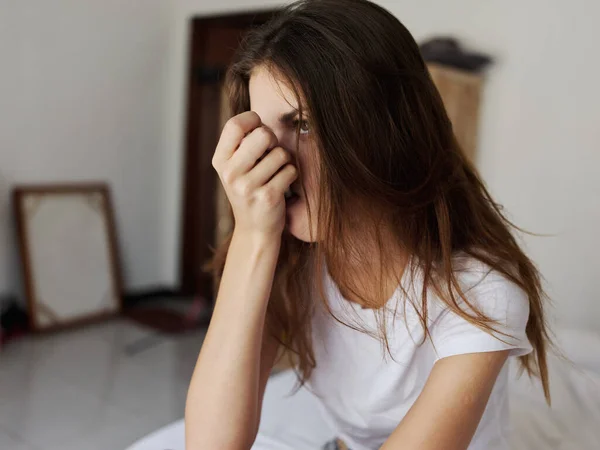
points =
(202, 131)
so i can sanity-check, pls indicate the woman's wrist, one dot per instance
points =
(249, 269)
(257, 240)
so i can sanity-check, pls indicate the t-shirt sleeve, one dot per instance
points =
(497, 299)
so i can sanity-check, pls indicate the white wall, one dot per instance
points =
(540, 136)
(82, 96)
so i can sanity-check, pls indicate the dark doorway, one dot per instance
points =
(212, 46)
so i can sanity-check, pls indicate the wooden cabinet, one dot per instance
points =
(461, 93)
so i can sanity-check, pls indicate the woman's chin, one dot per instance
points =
(297, 222)
(300, 235)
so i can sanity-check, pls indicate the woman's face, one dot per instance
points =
(277, 107)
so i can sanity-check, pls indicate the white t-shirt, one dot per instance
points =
(365, 394)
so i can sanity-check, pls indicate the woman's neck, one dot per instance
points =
(372, 270)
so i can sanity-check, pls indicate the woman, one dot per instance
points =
(364, 242)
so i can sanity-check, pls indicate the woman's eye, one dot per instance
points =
(304, 127)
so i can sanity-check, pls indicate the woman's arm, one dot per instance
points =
(448, 410)
(223, 403)
(225, 394)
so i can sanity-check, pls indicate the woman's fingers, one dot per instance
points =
(233, 132)
(275, 189)
(252, 149)
(254, 177)
(268, 167)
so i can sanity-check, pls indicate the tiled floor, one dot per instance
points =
(97, 388)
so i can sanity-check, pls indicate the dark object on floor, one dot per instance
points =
(448, 52)
(336, 444)
(171, 315)
(14, 321)
(161, 319)
(137, 297)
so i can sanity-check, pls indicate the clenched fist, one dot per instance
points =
(255, 174)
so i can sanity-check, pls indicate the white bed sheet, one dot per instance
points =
(573, 423)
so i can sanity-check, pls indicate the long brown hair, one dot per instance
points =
(388, 155)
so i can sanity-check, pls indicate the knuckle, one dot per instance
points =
(228, 176)
(253, 115)
(269, 196)
(244, 189)
(242, 123)
(233, 125)
(264, 135)
(280, 154)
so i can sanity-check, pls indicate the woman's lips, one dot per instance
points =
(292, 190)
(291, 200)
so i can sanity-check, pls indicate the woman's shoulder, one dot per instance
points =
(487, 290)
(477, 280)
(474, 275)
(488, 298)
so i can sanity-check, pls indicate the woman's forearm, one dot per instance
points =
(222, 409)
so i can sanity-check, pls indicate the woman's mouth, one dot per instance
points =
(290, 196)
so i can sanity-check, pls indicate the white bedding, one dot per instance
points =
(573, 422)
